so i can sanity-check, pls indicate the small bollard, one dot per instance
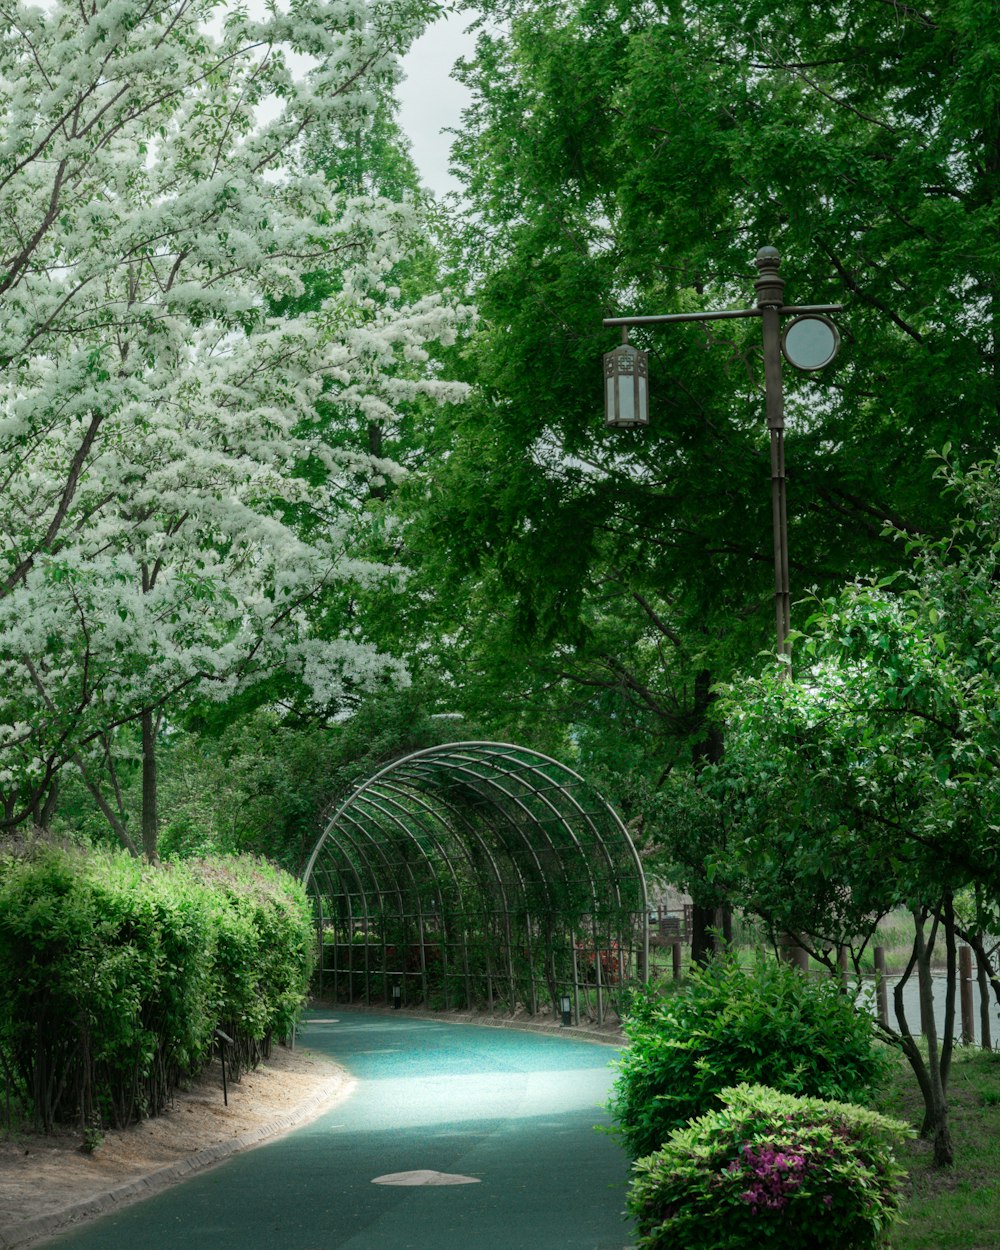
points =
(397, 997)
(223, 1038)
(566, 1008)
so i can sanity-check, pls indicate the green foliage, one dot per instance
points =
(249, 782)
(775, 1170)
(765, 1023)
(620, 158)
(114, 975)
(264, 950)
(871, 781)
(631, 159)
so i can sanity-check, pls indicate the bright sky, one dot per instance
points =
(430, 100)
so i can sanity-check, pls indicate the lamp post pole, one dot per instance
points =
(810, 342)
(770, 287)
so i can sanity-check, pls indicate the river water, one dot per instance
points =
(911, 1004)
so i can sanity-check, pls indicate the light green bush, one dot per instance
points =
(771, 1170)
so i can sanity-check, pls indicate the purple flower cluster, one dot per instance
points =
(772, 1176)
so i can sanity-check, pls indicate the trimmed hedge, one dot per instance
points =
(769, 1169)
(115, 974)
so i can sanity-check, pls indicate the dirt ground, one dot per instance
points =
(40, 1176)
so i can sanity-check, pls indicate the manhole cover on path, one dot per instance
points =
(425, 1177)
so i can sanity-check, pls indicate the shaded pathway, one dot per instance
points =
(513, 1110)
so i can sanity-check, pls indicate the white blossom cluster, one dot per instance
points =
(158, 215)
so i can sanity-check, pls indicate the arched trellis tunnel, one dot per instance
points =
(479, 874)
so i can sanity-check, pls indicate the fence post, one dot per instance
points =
(985, 1003)
(880, 987)
(965, 981)
(675, 955)
(793, 953)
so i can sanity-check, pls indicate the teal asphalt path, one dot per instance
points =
(516, 1110)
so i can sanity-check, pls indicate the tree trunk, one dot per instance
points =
(926, 1070)
(983, 974)
(951, 995)
(977, 941)
(150, 822)
(113, 818)
(936, 1116)
(376, 490)
(704, 941)
(45, 805)
(48, 807)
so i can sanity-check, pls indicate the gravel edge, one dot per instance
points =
(609, 1036)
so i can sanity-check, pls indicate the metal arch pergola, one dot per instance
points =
(479, 874)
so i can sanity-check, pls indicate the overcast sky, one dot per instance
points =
(430, 100)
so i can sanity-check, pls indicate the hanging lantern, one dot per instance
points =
(625, 387)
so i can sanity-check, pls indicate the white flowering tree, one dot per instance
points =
(163, 348)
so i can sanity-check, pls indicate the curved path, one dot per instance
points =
(513, 1112)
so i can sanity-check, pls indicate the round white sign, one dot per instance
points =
(810, 342)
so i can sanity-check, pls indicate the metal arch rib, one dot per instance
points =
(536, 798)
(513, 753)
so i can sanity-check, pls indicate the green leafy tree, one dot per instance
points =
(625, 159)
(871, 781)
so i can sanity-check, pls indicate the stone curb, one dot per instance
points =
(44, 1226)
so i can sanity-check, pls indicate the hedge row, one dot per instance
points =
(115, 975)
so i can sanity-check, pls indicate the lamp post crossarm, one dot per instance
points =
(727, 314)
(770, 308)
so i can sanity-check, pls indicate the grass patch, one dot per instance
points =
(959, 1207)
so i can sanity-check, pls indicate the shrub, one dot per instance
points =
(114, 975)
(769, 1169)
(766, 1024)
(265, 947)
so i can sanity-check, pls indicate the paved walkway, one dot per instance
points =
(509, 1114)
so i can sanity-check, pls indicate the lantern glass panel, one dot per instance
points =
(626, 398)
(610, 407)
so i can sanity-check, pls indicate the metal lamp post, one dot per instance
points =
(810, 341)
